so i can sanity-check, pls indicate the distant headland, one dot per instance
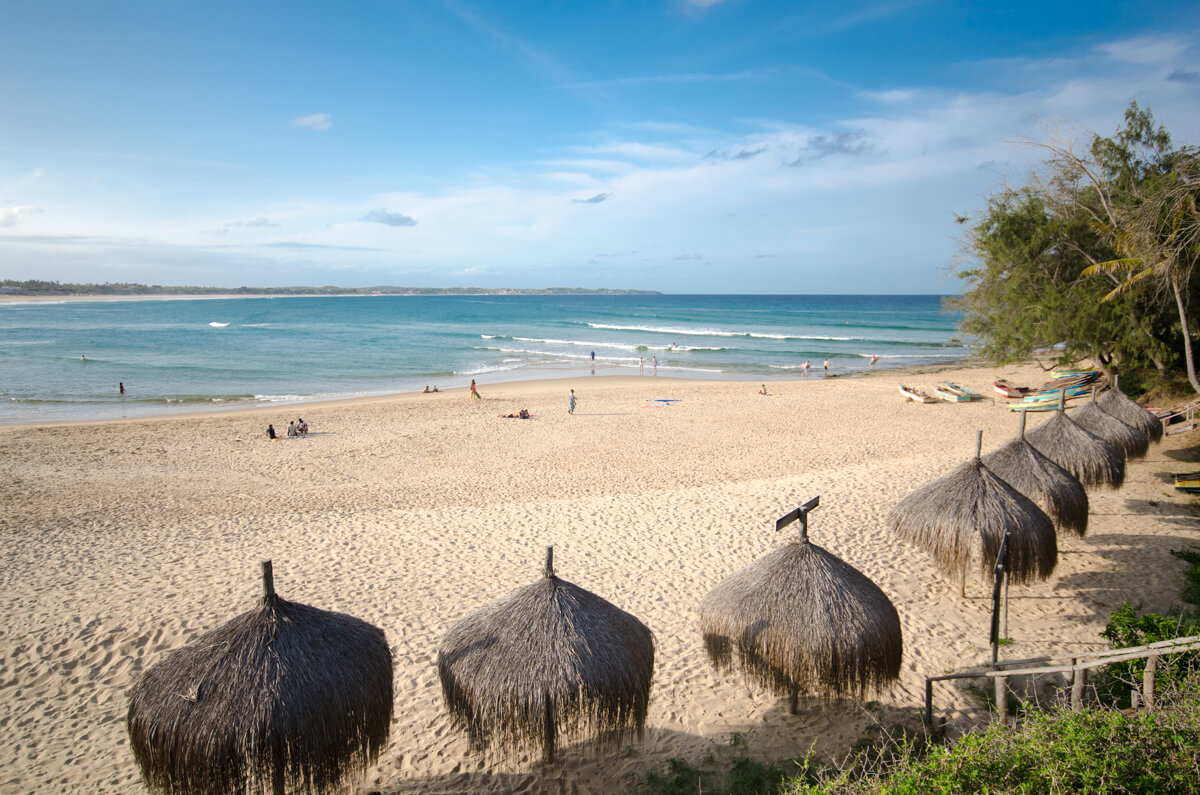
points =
(36, 288)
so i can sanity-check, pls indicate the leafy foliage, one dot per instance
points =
(1126, 629)
(1095, 262)
(1101, 751)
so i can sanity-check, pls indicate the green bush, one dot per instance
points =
(1095, 751)
(1126, 629)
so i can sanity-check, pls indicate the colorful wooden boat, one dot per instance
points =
(944, 392)
(1052, 394)
(916, 395)
(959, 389)
(1009, 389)
(1020, 406)
(1189, 482)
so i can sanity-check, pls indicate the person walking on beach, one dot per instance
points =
(874, 359)
(474, 391)
(826, 368)
(571, 402)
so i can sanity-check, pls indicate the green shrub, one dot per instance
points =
(1095, 751)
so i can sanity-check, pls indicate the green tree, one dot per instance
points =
(1144, 204)
(1027, 294)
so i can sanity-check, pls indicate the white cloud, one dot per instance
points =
(1144, 49)
(10, 215)
(389, 219)
(317, 121)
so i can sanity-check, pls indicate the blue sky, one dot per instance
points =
(705, 146)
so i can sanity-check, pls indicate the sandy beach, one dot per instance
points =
(125, 540)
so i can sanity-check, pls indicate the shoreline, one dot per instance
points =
(159, 412)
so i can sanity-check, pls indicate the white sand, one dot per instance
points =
(125, 540)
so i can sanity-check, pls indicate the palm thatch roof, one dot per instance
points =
(1089, 458)
(1130, 412)
(801, 620)
(285, 697)
(1054, 489)
(1096, 421)
(962, 518)
(546, 660)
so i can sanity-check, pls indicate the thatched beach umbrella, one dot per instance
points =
(1096, 421)
(962, 518)
(1089, 458)
(801, 620)
(283, 698)
(546, 660)
(1054, 489)
(1130, 412)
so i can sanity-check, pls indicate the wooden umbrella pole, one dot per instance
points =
(268, 578)
(549, 570)
(548, 733)
(1021, 430)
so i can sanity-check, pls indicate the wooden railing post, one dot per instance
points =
(929, 703)
(1002, 699)
(1148, 680)
(1077, 687)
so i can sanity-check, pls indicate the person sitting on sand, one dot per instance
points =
(271, 432)
(762, 390)
(426, 389)
(434, 388)
(291, 430)
(524, 414)
(302, 427)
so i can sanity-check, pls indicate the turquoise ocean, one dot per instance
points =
(64, 360)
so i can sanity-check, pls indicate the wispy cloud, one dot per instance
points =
(840, 142)
(305, 246)
(599, 197)
(247, 223)
(1183, 76)
(1144, 49)
(317, 121)
(10, 215)
(740, 154)
(683, 77)
(388, 219)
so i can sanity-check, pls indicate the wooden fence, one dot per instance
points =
(1075, 668)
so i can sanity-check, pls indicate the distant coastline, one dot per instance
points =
(43, 290)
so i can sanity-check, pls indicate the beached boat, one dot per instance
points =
(1009, 389)
(918, 395)
(959, 389)
(1022, 406)
(944, 392)
(1052, 394)
(1189, 482)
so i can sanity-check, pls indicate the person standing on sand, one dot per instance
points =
(571, 402)
(474, 391)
